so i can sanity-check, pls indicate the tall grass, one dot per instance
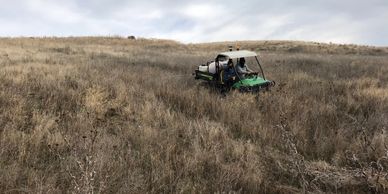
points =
(111, 115)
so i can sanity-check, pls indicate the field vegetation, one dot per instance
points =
(113, 115)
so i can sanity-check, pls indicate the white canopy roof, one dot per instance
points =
(239, 54)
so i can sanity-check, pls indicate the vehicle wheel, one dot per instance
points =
(224, 90)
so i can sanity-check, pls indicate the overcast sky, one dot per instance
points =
(338, 21)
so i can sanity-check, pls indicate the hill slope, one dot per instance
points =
(114, 115)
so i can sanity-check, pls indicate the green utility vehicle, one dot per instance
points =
(225, 72)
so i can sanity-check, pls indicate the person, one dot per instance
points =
(242, 69)
(229, 73)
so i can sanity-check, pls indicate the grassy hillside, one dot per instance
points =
(112, 115)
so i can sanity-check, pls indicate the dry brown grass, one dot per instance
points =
(111, 115)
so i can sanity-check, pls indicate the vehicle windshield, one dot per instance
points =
(250, 62)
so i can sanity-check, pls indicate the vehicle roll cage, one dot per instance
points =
(217, 62)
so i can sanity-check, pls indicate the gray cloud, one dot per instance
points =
(345, 21)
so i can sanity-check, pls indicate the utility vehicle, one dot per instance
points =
(214, 72)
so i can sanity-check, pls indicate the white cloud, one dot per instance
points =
(62, 12)
(203, 11)
(346, 21)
